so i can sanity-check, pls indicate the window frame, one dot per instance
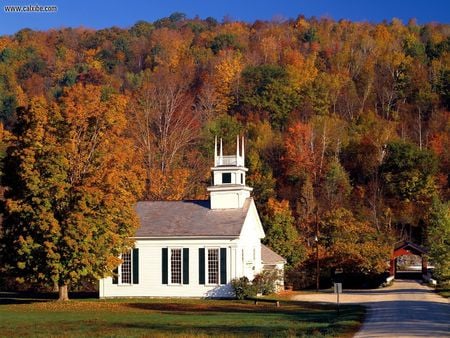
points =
(120, 276)
(169, 267)
(207, 282)
(231, 178)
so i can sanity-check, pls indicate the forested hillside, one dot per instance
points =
(347, 125)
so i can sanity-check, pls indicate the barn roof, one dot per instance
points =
(407, 248)
(270, 257)
(188, 219)
(406, 245)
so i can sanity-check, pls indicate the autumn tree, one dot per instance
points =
(336, 185)
(408, 181)
(301, 164)
(71, 190)
(267, 90)
(362, 158)
(320, 102)
(438, 235)
(300, 157)
(225, 78)
(225, 127)
(408, 172)
(281, 234)
(163, 124)
(353, 245)
(261, 140)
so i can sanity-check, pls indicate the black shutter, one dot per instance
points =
(135, 266)
(165, 264)
(116, 276)
(223, 265)
(185, 265)
(201, 265)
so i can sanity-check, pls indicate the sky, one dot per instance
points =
(102, 13)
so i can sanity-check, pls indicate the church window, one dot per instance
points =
(125, 268)
(127, 273)
(213, 266)
(226, 177)
(175, 266)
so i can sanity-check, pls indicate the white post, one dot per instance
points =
(215, 151)
(221, 153)
(337, 290)
(237, 147)
(242, 153)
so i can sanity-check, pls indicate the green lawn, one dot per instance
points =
(444, 291)
(173, 317)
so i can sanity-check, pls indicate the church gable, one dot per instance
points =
(252, 226)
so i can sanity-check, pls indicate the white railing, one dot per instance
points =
(228, 160)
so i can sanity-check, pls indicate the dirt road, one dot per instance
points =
(405, 309)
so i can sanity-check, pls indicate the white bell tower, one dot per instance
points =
(228, 189)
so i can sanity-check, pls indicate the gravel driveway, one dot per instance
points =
(405, 309)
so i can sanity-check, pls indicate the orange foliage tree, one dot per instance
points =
(71, 193)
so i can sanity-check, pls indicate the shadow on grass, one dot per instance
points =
(169, 317)
(217, 330)
(39, 297)
(300, 311)
(176, 328)
(278, 322)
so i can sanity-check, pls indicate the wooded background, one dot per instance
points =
(346, 124)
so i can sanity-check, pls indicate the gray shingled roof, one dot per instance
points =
(188, 219)
(269, 257)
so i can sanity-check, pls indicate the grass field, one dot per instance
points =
(444, 291)
(21, 317)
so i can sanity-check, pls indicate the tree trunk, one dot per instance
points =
(63, 293)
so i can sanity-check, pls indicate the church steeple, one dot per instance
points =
(228, 189)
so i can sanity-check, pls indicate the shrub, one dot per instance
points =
(266, 281)
(243, 288)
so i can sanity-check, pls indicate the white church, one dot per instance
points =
(195, 248)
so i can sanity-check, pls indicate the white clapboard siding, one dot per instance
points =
(150, 266)
(243, 259)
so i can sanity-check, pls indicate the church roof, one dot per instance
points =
(270, 257)
(189, 219)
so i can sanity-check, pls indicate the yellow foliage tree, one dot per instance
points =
(226, 72)
(301, 71)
